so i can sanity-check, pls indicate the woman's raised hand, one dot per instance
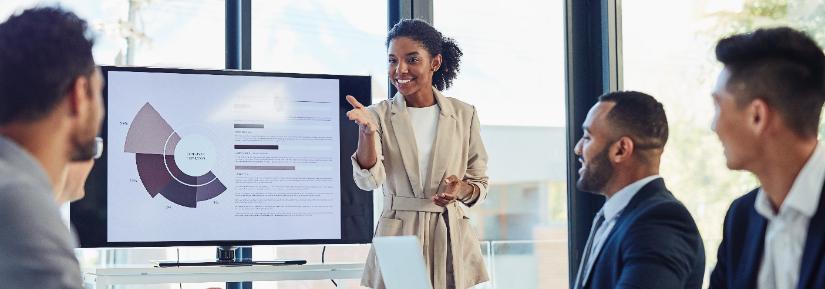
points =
(360, 115)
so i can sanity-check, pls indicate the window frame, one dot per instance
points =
(592, 68)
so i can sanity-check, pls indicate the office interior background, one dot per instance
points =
(532, 68)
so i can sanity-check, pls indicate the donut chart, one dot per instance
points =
(170, 163)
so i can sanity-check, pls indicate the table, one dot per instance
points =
(102, 277)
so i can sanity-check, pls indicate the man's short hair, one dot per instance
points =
(42, 52)
(783, 67)
(639, 116)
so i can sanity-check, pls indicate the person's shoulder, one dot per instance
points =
(664, 206)
(662, 221)
(745, 202)
(381, 106)
(15, 184)
(741, 211)
(459, 105)
(661, 205)
(22, 195)
(22, 201)
(33, 230)
(463, 111)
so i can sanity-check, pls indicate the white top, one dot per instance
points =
(611, 211)
(425, 126)
(787, 230)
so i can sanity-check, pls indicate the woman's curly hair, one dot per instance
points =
(435, 43)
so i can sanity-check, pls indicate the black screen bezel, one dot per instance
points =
(89, 215)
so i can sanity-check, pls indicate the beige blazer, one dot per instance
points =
(408, 209)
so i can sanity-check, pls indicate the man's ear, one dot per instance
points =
(759, 116)
(622, 150)
(78, 95)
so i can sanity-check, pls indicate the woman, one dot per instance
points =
(426, 152)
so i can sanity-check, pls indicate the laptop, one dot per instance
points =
(401, 262)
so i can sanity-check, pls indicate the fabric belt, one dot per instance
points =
(439, 241)
(398, 203)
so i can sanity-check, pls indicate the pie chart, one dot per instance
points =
(175, 164)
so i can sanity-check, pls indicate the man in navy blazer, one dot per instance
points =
(768, 100)
(642, 237)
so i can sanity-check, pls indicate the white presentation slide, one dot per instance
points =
(197, 157)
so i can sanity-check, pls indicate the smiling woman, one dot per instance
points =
(425, 150)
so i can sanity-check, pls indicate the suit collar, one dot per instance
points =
(404, 136)
(814, 242)
(615, 204)
(805, 192)
(442, 151)
(654, 187)
(651, 186)
(752, 251)
(399, 104)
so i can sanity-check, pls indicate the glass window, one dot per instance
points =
(179, 33)
(326, 37)
(512, 71)
(322, 36)
(676, 64)
(175, 33)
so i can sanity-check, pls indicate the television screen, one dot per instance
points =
(206, 157)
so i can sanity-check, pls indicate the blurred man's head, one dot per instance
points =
(772, 86)
(624, 133)
(47, 72)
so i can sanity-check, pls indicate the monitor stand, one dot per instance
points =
(226, 257)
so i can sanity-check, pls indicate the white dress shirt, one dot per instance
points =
(788, 229)
(425, 126)
(611, 211)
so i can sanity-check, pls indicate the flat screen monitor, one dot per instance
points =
(225, 158)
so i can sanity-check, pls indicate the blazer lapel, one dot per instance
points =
(654, 187)
(811, 261)
(444, 144)
(752, 251)
(405, 137)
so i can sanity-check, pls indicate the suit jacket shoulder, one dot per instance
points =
(654, 244)
(34, 236)
(740, 251)
(742, 208)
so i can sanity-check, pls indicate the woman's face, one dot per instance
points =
(411, 67)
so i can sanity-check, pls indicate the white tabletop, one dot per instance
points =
(146, 274)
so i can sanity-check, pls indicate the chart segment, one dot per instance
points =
(169, 164)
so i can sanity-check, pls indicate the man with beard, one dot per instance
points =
(50, 112)
(642, 237)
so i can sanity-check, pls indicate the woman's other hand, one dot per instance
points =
(450, 190)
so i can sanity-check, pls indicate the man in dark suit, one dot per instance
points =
(642, 237)
(768, 102)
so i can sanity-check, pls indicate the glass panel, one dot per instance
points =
(176, 33)
(676, 64)
(181, 33)
(322, 36)
(326, 37)
(529, 264)
(520, 122)
(512, 71)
